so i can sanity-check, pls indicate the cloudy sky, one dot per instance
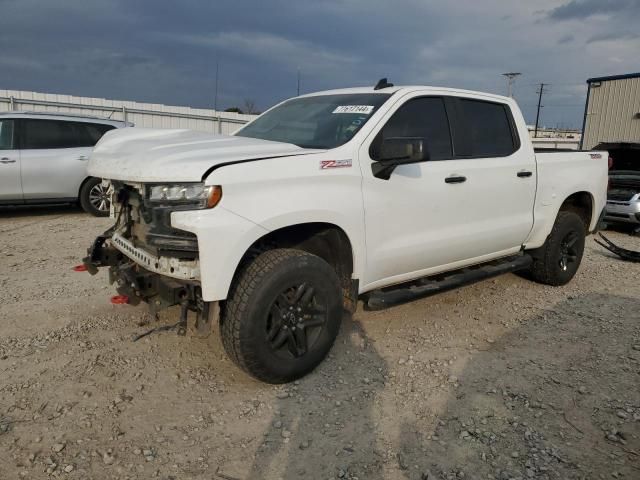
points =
(165, 51)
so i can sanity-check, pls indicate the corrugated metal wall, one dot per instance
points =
(611, 112)
(142, 114)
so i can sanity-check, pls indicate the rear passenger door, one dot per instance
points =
(54, 156)
(466, 204)
(500, 173)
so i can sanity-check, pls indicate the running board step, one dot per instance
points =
(380, 299)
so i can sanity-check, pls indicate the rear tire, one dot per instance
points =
(557, 261)
(282, 315)
(94, 198)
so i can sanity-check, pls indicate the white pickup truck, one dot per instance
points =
(383, 194)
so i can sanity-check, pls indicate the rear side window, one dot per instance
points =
(424, 117)
(488, 128)
(90, 133)
(40, 134)
(6, 134)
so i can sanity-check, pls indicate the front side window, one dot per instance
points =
(425, 118)
(488, 129)
(6, 135)
(39, 134)
(319, 121)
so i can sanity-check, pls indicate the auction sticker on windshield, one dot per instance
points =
(365, 109)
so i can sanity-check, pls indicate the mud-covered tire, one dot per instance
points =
(94, 198)
(267, 302)
(557, 261)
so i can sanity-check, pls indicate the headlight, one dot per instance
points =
(186, 193)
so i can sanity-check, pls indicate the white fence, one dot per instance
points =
(562, 143)
(141, 114)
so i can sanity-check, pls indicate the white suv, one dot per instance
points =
(43, 159)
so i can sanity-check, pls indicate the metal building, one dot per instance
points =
(141, 114)
(612, 110)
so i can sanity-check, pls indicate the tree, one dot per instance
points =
(250, 106)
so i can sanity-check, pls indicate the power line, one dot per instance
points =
(540, 93)
(215, 95)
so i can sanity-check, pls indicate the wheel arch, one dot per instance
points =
(582, 204)
(546, 211)
(326, 240)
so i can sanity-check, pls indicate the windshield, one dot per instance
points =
(322, 121)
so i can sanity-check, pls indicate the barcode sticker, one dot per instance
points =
(363, 109)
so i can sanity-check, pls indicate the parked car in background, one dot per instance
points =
(43, 159)
(623, 198)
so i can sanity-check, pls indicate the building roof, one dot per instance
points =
(614, 77)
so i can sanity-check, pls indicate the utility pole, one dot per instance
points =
(298, 82)
(215, 95)
(511, 80)
(540, 92)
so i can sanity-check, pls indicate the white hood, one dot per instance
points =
(160, 155)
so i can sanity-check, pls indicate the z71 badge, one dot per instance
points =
(324, 164)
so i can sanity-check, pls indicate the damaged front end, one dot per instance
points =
(148, 260)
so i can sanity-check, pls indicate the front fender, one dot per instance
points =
(223, 238)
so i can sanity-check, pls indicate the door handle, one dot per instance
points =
(455, 179)
(524, 173)
(6, 160)
(83, 157)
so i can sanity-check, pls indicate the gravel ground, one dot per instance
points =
(502, 379)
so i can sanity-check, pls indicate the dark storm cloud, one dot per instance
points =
(605, 37)
(577, 9)
(165, 51)
(566, 39)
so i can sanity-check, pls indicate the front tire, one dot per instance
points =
(94, 198)
(557, 261)
(282, 315)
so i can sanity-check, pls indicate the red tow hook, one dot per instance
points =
(119, 299)
(80, 268)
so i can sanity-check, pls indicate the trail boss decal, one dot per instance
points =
(325, 164)
(595, 155)
(364, 109)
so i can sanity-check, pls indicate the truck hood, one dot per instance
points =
(160, 155)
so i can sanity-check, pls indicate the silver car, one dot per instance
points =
(43, 159)
(623, 198)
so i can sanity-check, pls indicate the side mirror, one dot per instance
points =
(394, 151)
(403, 150)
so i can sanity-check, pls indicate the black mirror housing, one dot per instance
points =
(394, 151)
(403, 150)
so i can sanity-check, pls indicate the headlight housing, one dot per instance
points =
(196, 194)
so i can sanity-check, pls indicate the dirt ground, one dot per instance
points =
(503, 379)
